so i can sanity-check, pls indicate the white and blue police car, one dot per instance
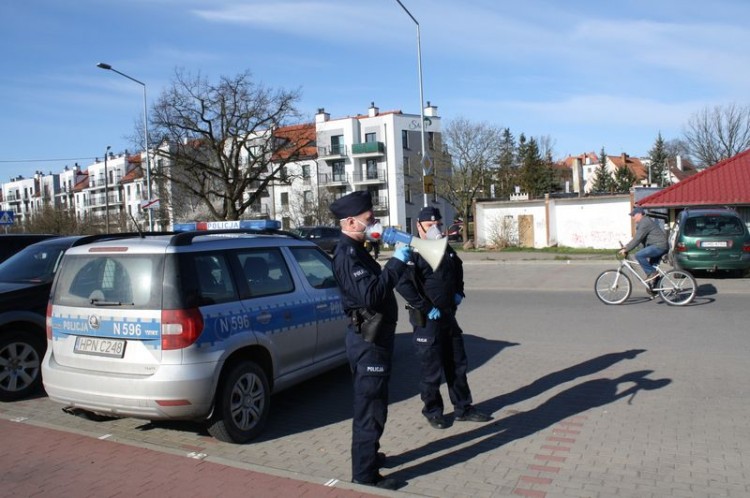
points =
(199, 325)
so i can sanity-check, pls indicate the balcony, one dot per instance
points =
(330, 152)
(379, 204)
(333, 179)
(368, 149)
(370, 177)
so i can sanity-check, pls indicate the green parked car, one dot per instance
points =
(711, 239)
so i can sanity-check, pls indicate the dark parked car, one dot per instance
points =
(325, 237)
(11, 243)
(25, 283)
(454, 232)
(711, 239)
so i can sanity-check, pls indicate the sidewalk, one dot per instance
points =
(43, 462)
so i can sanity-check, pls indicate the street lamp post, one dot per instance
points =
(425, 159)
(106, 190)
(103, 65)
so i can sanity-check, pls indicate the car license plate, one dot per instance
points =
(114, 348)
(714, 243)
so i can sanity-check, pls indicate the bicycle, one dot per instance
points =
(675, 287)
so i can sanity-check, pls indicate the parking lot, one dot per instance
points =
(640, 400)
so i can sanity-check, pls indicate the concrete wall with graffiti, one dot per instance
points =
(594, 222)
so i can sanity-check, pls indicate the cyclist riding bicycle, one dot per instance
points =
(654, 240)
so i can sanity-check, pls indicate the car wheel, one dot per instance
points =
(242, 404)
(21, 354)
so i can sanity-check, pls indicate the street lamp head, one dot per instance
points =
(103, 65)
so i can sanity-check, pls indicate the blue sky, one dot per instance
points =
(588, 74)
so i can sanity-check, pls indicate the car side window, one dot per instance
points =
(266, 271)
(213, 279)
(316, 266)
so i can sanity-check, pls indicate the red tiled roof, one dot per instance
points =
(300, 140)
(83, 182)
(633, 163)
(593, 159)
(132, 175)
(724, 184)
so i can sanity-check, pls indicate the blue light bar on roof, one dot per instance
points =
(228, 225)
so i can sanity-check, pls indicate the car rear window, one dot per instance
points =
(116, 280)
(714, 225)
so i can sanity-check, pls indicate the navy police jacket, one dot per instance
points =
(363, 283)
(424, 288)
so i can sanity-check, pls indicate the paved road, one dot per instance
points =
(639, 400)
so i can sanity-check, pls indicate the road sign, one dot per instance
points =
(429, 184)
(427, 164)
(7, 217)
(152, 204)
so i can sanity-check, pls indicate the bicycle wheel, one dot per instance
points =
(612, 287)
(677, 287)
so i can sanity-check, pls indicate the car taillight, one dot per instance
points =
(49, 321)
(180, 328)
(680, 247)
(746, 247)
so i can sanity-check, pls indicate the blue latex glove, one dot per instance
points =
(434, 314)
(402, 253)
(457, 299)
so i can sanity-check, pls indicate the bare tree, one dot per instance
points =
(713, 135)
(472, 150)
(225, 142)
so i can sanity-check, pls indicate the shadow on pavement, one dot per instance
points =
(327, 399)
(575, 400)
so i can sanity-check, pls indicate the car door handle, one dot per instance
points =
(264, 317)
(321, 306)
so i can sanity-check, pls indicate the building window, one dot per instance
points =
(285, 199)
(338, 171)
(407, 166)
(431, 140)
(408, 224)
(372, 169)
(308, 199)
(337, 144)
(405, 139)
(306, 171)
(407, 194)
(370, 138)
(375, 194)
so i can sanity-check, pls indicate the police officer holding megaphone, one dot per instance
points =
(433, 288)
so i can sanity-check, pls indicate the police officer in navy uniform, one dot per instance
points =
(370, 301)
(433, 297)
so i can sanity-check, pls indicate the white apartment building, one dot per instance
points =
(378, 152)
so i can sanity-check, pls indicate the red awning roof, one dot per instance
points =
(724, 184)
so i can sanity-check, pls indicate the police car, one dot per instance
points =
(198, 325)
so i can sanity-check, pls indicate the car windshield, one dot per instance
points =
(36, 263)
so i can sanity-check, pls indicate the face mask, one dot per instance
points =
(372, 231)
(434, 233)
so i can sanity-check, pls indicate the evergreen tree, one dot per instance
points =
(624, 179)
(506, 177)
(536, 174)
(603, 181)
(658, 169)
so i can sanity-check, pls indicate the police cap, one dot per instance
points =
(352, 204)
(429, 213)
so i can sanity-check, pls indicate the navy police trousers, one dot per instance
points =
(371, 369)
(439, 346)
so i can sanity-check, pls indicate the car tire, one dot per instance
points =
(21, 353)
(243, 402)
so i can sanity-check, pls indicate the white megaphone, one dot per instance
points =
(431, 250)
